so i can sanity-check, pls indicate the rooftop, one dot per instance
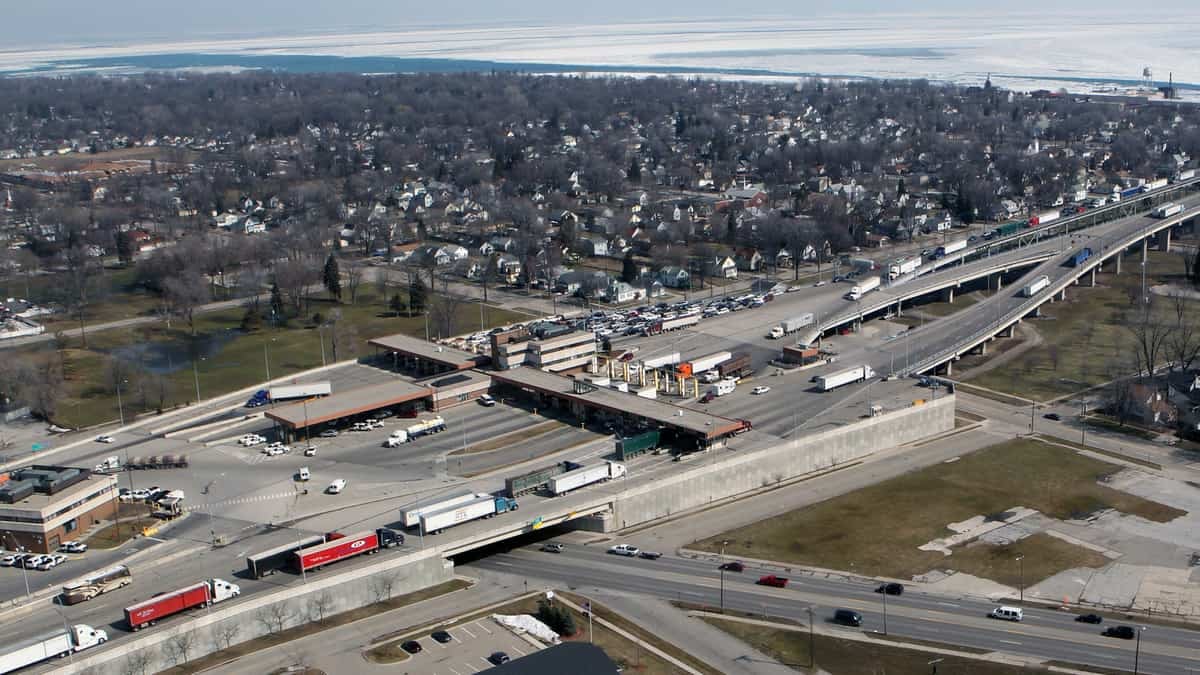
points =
(578, 658)
(412, 346)
(693, 421)
(348, 403)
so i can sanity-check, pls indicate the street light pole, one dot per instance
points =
(196, 378)
(884, 594)
(722, 570)
(812, 643)
(120, 405)
(1137, 650)
(1021, 567)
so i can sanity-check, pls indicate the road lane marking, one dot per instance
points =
(948, 604)
(1009, 642)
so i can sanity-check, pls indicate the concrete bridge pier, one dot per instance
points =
(1120, 254)
(981, 349)
(1092, 277)
(1145, 247)
(1164, 240)
(1062, 295)
(1008, 331)
(996, 282)
(948, 295)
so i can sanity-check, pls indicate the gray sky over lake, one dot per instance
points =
(41, 24)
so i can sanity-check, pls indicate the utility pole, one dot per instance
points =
(1021, 568)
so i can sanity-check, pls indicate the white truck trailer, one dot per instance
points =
(835, 380)
(293, 391)
(411, 515)
(903, 266)
(1034, 287)
(862, 288)
(59, 643)
(1168, 210)
(660, 361)
(584, 476)
(789, 326)
(950, 247)
(483, 506)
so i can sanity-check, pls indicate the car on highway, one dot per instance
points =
(760, 389)
(498, 658)
(329, 433)
(847, 617)
(336, 486)
(1053, 416)
(732, 566)
(552, 547)
(310, 451)
(1007, 613)
(625, 550)
(73, 547)
(649, 555)
(1121, 632)
(411, 646)
(441, 636)
(487, 401)
(1089, 618)
(773, 581)
(892, 588)
(104, 439)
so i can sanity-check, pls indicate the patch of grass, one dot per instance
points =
(988, 393)
(1044, 556)
(1101, 451)
(217, 658)
(876, 530)
(133, 519)
(512, 438)
(940, 309)
(852, 657)
(1105, 423)
(1083, 337)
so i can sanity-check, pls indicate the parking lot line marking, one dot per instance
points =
(453, 670)
(485, 628)
(518, 650)
(464, 629)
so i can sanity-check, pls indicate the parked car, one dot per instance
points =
(411, 646)
(892, 588)
(104, 439)
(248, 440)
(73, 547)
(441, 636)
(329, 433)
(733, 566)
(1089, 618)
(498, 658)
(772, 580)
(625, 550)
(9, 560)
(649, 555)
(552, 547)
(1122, 632)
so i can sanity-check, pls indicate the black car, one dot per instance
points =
(1089, 618)
(891, 588)
(733, 566)
(1123, 632)
(650, 555)
(1053, 416)
(499, 658)
(441, 636)
(847, 617)
(412, 647)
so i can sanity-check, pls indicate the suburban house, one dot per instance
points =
(619, 291)
(508, 268)
(674, 277)
(1150, 406)
(748, 260)
(594, 247)
(721, 267)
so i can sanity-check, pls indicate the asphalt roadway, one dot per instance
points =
(1045, 634)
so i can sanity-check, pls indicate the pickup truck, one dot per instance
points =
(772, 580)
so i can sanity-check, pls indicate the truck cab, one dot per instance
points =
(776, 333)
(223, 590)
(85, 636)
(398, 437)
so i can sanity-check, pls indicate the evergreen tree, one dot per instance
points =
(900, 187)
(124, 247)
(635, 171)
(629, 271)
(276, 302)
(731, 229)
(396, 304)
(333, 277)
(417, 295)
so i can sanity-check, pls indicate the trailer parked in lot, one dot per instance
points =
(584, 476)
(1034, 287)
(738, 366)
(149, 612)
(410, 515)
(61, 642)
(341, 548)
(484, 506)
(835, 380)
(268, 562)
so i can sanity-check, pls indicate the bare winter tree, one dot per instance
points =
(225, 633)
(180, 646)
(319, 606)
(354, 279)
(274, 617)
(137, 663)
(184, 294)
(1183, 340)
(444, 307)
(382, 586)
(1149, 333)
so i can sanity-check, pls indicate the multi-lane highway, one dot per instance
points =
(1046, 634)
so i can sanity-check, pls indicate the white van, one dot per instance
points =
(1007, 613)
(304, 473)
(336, 486)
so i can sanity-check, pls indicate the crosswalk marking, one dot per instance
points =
(240, 500)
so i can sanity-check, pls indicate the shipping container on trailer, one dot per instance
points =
(1168, 210)
(1034, 287)
(160, 607)
(292, 391)
(410, 515)
(950, 247)
(584, 476)
(268, 562)
(314, 557)
(697, 366)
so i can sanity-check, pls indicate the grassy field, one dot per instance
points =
(1044, 556)
(1084, 338)
(851, 657)
(940, 308)
(876, 530)
(626, 653)
(84, 161)
(133, 519)
(90, 398)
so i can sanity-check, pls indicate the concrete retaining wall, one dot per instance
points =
(328, 592)
(733, 474)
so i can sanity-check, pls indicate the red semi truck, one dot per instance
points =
(313, 557)
(148, 612)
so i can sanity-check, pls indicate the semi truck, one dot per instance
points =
(862, 288)
(1034, 287)
(96, 583)
(289, 392)
(1168, 210)
(660, 361)
(1081, 256)
(738, 366)
(788, 326)
(410, 515)
(1154, 185)
(902, 267)
(1186, 174)
(639, 444)
(484, 506)
(1045, 218)
(949, 248)
(678, 323)
(1009, 229)
(58, 643)
(340, 548)
(112, 463)
(584, 476)
(515, 486)
(697, 366)
(1128, 193)
(271, 561)
(835, 380)
(422, 428)
(150, 612)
